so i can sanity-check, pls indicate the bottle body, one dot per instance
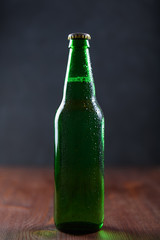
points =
(79, 160)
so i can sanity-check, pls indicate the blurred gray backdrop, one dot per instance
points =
(124, 53)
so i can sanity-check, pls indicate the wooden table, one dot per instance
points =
(131, 205)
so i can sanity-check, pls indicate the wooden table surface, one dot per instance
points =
(132, 203)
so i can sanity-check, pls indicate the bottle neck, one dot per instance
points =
(79, 83)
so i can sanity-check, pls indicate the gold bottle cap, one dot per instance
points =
(79, 36)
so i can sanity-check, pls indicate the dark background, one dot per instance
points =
(125, 60)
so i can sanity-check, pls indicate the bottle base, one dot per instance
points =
(78, 227)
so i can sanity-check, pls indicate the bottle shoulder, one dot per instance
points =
(75, 106)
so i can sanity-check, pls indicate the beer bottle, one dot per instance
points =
(79, 146)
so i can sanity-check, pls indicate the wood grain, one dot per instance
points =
(132, 212)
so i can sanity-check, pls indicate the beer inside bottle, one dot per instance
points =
(79, 146)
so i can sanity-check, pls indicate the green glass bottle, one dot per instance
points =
(79, 146)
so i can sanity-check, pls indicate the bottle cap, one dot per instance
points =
(79, 36)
